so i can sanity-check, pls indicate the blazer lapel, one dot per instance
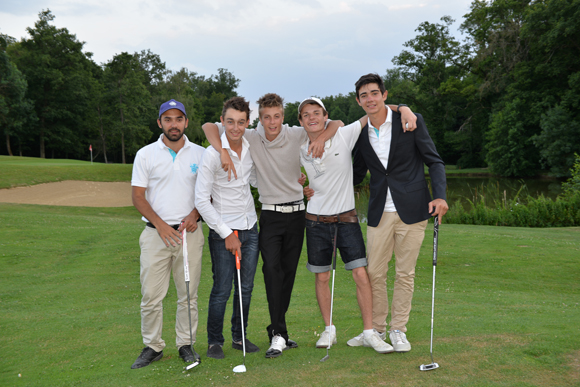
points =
(396, 130)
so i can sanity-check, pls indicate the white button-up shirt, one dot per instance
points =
(233, 205)
(380, 140)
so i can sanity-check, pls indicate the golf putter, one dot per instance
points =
(433, 365)
(186, 273)
(325, 358)
(241, 367)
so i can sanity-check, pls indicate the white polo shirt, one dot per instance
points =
(331, 176)
(233, 204)
(380, 140)
(169, 178)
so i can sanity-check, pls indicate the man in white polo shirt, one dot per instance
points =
(227, 205)
(163, 183)
(331, 218)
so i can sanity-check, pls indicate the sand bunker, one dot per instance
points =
(71, 193)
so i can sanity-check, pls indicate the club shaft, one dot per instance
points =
(238, 263)
(435, 248)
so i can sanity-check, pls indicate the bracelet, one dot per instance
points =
(399, 107)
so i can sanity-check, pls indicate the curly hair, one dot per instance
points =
(237, 103)
(270, 100)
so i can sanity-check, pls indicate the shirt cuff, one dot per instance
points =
(224, 231)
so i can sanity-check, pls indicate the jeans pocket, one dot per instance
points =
(310, 223)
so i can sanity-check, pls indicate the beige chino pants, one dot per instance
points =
(392, 234)
(157, 262)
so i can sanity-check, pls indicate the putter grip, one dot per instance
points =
(237, 257)
(435, 239)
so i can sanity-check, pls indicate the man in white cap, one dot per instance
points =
(331, 219)
(163, 186)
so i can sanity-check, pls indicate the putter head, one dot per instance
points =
(428, 367)
(192, 365)
(240, 368)
(325, 358)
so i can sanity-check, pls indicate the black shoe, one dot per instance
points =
(250, 347)
(147, 356)
(215, 351)
(291, 344)
(188, 354)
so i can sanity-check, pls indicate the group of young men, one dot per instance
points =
(175, 182)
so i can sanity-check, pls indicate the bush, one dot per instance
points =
(572, 186)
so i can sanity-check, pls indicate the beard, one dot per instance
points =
(173, 137)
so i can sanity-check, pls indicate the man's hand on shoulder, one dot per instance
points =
(408, 119)
(228, 164)
(438, 207)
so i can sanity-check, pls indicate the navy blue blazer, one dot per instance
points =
(405, 174)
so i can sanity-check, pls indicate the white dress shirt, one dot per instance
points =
(380, 140)
(233, 205)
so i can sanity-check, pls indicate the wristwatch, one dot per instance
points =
(399, 107)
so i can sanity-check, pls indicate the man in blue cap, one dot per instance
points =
(163, 191)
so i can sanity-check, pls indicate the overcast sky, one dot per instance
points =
(295, 48)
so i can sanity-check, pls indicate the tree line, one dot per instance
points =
(55, 100)
(505, 97)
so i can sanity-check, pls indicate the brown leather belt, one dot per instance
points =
(345, 217)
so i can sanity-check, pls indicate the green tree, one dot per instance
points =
(56, 70)
(15, 108)
(129, 98)
(431, 73)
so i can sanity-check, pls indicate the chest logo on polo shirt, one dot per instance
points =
(193, 168)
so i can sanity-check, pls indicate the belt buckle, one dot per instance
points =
(285, 209)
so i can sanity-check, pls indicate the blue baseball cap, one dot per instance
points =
(171, 104)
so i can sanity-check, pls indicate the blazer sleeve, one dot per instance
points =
(431, 158)
(359, 167)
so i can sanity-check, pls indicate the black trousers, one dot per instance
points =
(281, 239)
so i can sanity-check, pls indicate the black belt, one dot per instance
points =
(174, 226)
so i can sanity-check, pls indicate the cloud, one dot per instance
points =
(295, 47)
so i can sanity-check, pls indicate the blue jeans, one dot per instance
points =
(223, 267)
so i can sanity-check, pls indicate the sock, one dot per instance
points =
(368, 332)
(331, 329)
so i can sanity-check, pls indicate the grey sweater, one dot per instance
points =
(277, 163)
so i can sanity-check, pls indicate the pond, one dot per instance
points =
(491, 189)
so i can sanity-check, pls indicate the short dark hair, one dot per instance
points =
(369, 78)
(237, 103)
(270, 100)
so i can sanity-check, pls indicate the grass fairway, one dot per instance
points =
(22, 171)
(506, 313)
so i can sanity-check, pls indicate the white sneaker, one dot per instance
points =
(378, 345)
(276, 348)
(399, 341)
(359, 340)
(325, 338)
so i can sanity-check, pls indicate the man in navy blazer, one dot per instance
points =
(400, 203)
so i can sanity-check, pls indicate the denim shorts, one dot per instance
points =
(319, 243)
